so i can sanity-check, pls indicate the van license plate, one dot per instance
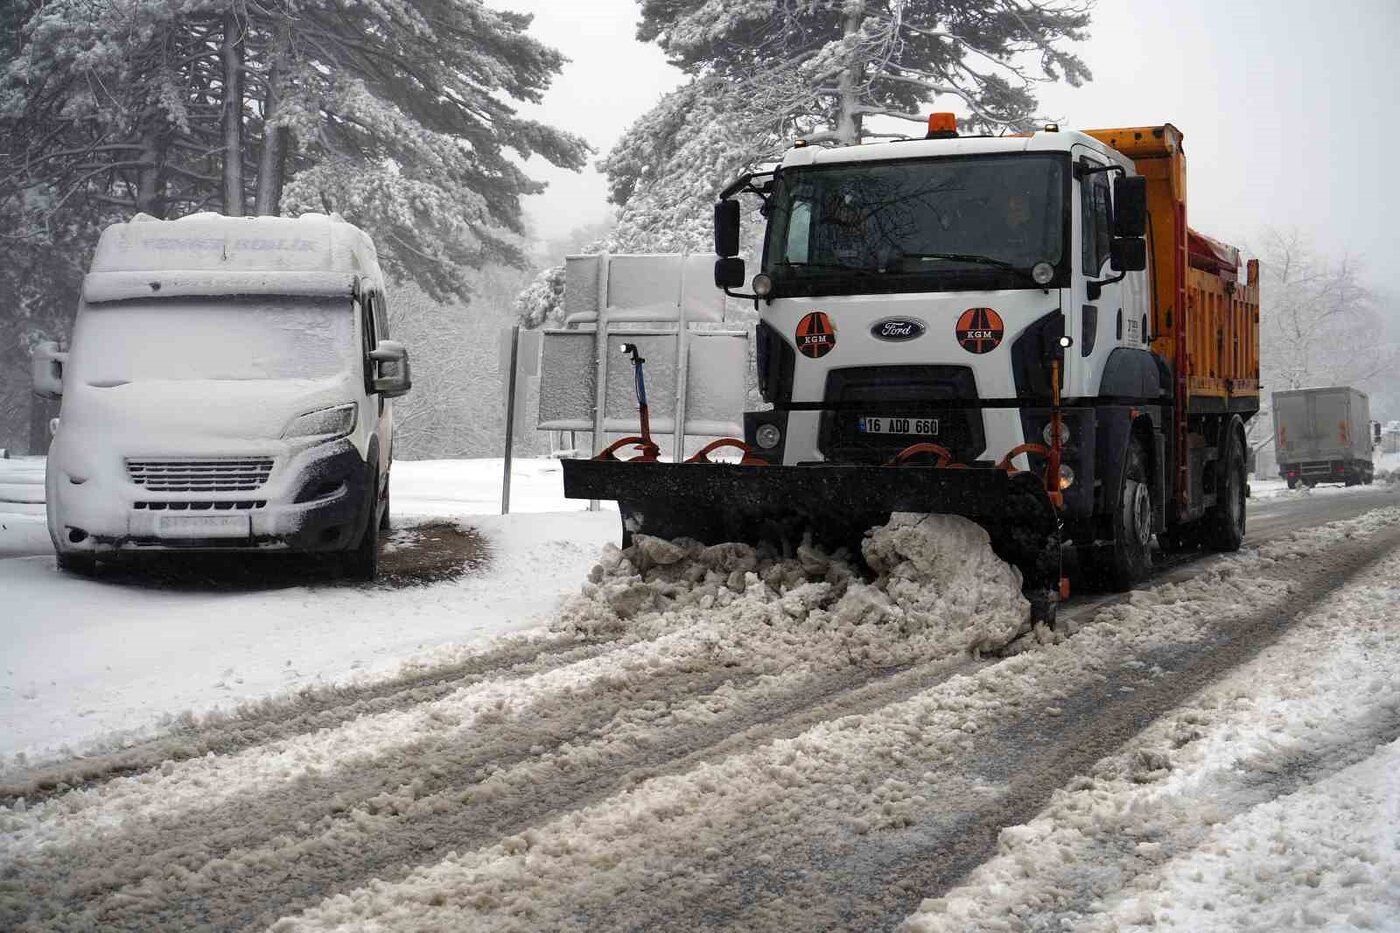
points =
(203, 526)
(923, 427)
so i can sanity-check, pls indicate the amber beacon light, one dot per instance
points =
(942, 126)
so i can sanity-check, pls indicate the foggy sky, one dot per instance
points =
(1288, 108)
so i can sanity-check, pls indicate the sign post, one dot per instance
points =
(510, 416)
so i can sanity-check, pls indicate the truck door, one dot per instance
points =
(1096, 322)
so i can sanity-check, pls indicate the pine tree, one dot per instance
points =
(766, 72)
(396, 114)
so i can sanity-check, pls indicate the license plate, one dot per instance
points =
(923, 427)
(203, 526)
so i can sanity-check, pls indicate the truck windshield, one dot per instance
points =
(222, 338)
(978, 222)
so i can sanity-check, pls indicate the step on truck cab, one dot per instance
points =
(1324, 435)
(1019, 329)
(228, 388)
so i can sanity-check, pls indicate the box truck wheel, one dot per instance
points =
(1292, 482)
(1224, 521)
(1130, 557)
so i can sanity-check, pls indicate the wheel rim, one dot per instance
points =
(1237, 500)
(1142, 516)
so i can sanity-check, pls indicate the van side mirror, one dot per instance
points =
(391, 376)
(1129, 206)
(1127, 254)
(727, 228)
(729, 272)
(46, 367)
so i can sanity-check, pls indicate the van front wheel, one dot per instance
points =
(362, 562)
(77, 563)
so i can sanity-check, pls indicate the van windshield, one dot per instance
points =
(264, 337)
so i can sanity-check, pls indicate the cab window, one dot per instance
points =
(1096, 209)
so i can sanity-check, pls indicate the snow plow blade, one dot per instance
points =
(835, 504)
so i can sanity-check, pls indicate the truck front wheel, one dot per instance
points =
(1224, 521)
(1130, 557)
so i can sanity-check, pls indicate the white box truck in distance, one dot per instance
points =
(227, 389)
(1323, 436)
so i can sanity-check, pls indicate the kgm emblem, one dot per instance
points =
(979, 330)
(898, 328)
(816, 335)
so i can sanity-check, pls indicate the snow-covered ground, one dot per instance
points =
(22, 525)
(711, 733)
(1270, 801)
(83, 658)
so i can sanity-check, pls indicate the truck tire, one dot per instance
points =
(1292, 482)
(1223, 523)
(1129, 559)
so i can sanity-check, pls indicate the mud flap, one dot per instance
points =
(834, 504)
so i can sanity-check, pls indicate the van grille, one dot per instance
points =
(216, 505)
(231, 474)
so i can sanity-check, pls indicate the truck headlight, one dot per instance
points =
(1048, 436)
(767, 436)
(325, 422)
(1066, 476)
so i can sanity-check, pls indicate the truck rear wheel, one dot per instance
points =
(1127, 562)
(1224, 522)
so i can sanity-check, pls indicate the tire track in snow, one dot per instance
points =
(853, 822)
(671, 730)
(893, 875)
(397, 820)
(308, 710)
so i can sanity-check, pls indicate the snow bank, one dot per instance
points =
(938, 589)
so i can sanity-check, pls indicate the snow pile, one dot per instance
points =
(938, 588)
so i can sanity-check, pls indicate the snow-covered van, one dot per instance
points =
(227, 389)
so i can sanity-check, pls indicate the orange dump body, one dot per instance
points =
(1214, 345)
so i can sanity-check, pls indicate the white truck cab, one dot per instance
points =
(944, 259)
(228, 388)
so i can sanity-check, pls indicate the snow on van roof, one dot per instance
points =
(208, 253)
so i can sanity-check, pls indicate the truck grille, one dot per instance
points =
(899, 391)
(230, 474)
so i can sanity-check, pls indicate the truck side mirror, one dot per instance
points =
(727, 229)
(1129, 206)
(1127, 254)
(46, 367)
(1375, 433)
(729, 272)
(391, 375)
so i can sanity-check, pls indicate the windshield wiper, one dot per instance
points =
(968, 257)
(837, 266)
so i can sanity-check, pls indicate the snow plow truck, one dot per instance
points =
(1021, 330)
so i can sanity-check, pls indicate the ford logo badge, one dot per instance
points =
(898, 328)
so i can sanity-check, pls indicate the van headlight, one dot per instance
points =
(329, 423)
